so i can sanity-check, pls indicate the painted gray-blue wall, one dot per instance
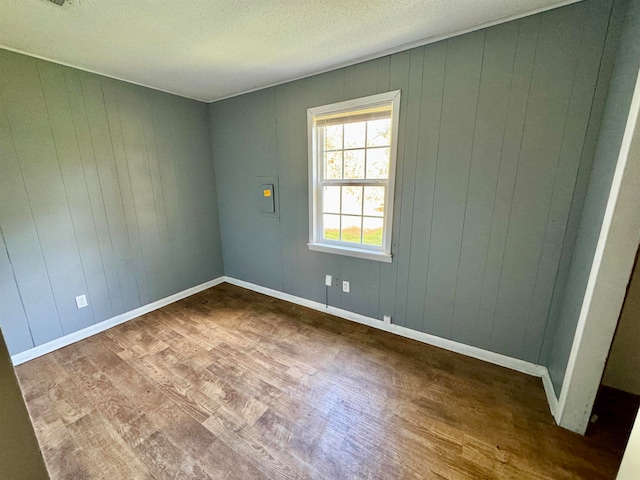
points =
(491, 142)
(106, 189)
(618, 102)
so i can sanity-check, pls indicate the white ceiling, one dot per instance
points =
(212, 49)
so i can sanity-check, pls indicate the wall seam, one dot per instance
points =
(566, 234)
(15, 281)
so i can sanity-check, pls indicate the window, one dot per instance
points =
(352, 153)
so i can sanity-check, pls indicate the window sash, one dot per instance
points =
(347, 182)
(320, 214)
(354, 182)
(321, 151)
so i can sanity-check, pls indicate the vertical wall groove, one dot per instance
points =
(83, 199)
(490, 128)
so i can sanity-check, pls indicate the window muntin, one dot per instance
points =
(352, 148)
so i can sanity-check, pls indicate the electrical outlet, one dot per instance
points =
(81, 301)
(345, 286)
(387, 319)
(327, 280)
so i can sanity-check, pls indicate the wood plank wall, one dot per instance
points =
(106, 189)
(492, 137)
(566, 307)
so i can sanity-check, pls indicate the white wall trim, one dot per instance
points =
(474, 352)
(470, 351)
(457, 347)
(608, 279)
(552, 398)
(58, 343)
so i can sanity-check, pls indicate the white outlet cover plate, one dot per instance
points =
(81, 301)
(345, 286)
(327, 280)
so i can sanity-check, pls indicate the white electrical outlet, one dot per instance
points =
(327, 280)
(81, 301)
(387, 319)
(345, 286)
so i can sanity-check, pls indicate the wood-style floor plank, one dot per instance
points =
(231, 384)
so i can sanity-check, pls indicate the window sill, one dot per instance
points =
(351, 252)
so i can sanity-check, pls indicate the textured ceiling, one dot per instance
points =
(212, 49)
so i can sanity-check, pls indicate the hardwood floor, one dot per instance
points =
(231, 384)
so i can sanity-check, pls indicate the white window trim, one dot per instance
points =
(316, 242)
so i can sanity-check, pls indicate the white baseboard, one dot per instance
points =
(457, 347)
(475, 352)
(58, 343)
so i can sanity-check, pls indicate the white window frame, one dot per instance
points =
(316, 242)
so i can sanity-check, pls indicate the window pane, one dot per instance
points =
(379, 133)
(372, 231)
(333, 165)
(331, 227)
(333, 137)
(354, 135)
(378, 163)
(354, 164)
(331, 200)
(352, 200)
(374, 201)
(351, 229)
